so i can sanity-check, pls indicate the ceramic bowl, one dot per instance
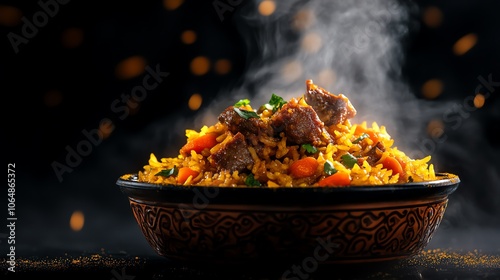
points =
(254, 224)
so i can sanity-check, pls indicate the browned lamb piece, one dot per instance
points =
(331, 109)
(301, 124)
(235, 123)
(375, 153)
(233, 156)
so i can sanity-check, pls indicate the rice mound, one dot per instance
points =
(271, 166)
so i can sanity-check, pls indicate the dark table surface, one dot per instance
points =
(472, 253)
(453, 254)
(430, 264)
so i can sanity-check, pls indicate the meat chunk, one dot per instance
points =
(236, 123)
(300, 123)
(233, 156)
(375, 153)
(331, 109)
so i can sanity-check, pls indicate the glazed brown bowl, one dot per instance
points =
(261, 224)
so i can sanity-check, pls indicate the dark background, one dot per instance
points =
(66, 78)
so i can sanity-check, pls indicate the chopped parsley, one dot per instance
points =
(349, 160)
(360, 138)
(329, 169)
(309, 148)
(251, 181)
(168, 172)
(242, 102)
(275, 103)
(246, 114)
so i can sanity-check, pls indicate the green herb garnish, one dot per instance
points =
(242, 102)
(309, 148)
(275, 103)
(246, 114)
(349, 160)
(360, 138)
(168, 172)
(251, 181)
(329, 169)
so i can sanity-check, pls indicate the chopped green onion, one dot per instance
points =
(242, 102)
(309, 148)
(251, 181)
(246, 114)
(349, 160)
(168, 172)
(329, 169)
(360, 138)
(275, 103)
(268, 106)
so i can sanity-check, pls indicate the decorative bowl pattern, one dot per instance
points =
(332, 225)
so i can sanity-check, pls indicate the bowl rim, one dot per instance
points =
(443, 179)
(445, 184)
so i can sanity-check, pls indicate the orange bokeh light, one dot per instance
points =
(130, 67)
(172, 4)
(72, 37)
(188, 37)
(479, 100)
(432, 17)
(222, 66)
(267, 7)
(432, 88)
(10, 16)
(195, 101)
(200, 65)
(77, 221)
(464, 44)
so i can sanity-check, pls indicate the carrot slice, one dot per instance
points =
(304, 167)
(337, 179)
(372, 134)
(184, 173)
(206, 141)
(394, 165)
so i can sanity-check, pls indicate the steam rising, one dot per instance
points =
(355, 48)
(349, 47)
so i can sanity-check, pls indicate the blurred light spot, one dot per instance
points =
(311, 42)
(222, 66)
(267, 7)
(172, 4)
(72, 37)
(76, 221)
(195, 101)
(10, 16)
(479, 100)
(435, 128)
(52, 98)
(106, 128)
(133, 106)
(464, 44)
(291, 71)
(200, 65)
(432, 88)
(303, 19)
(432, 17)
(326, 78)
(130, 67)
(188, 37)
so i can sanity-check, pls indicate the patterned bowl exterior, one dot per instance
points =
(337, 232)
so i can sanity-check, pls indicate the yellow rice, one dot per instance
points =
(278, 156)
